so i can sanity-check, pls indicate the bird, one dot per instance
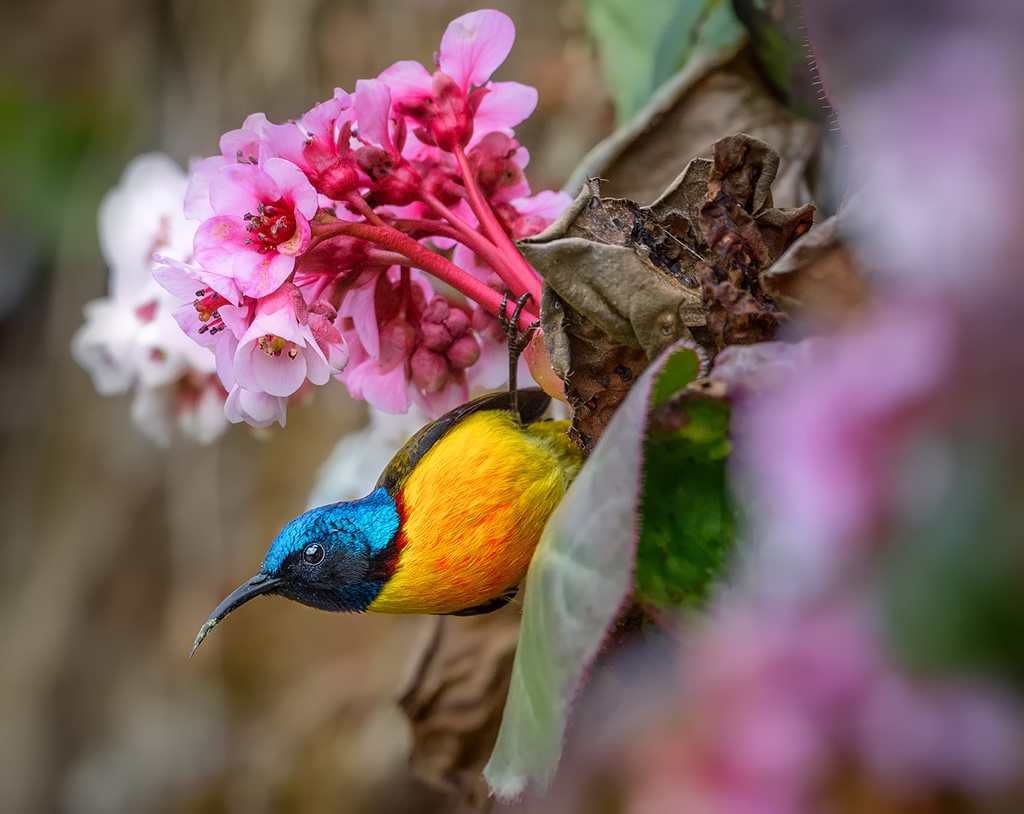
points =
(449, 528)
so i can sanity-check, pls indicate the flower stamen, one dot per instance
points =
(272, 225)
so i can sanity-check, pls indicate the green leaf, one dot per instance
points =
(580, 577)
(641, 47)
(778, 36)
(686, 514)
(696, 27)
(678, 370)
(625, 47)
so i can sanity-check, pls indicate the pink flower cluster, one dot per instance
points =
(791, 715)
(319, 241)
(130, 340)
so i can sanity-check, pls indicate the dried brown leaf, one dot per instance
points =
(818, 275)
(601, 260)
(735, 317)
(743, 234)
(623, 281)
(600, 374)
(455, 697)
(615, 296)
(714, 96)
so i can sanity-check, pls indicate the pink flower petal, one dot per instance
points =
(277, 375)
(409, 81)
(237, 319)
(373, 113)
(219, 240)
(256, 409)
(294, 186)
(260, 274)
(545, 204)
(318, 371)
(474, 45)
(389, 392)
(176, 277)
(242, 365)
(360, 305)
(279, 322)
(197, 196)
(505, 105)
(323, 118)
(245, 144)
(225, 350)
(286, 141)
(236, 189)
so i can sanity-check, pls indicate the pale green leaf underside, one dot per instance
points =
(581, 575)
(640, 45)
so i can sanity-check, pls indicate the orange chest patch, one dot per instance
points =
(473, 512)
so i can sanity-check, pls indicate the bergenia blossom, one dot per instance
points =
(278, 351)
(260, 225)
(130, 340)
(317, 242)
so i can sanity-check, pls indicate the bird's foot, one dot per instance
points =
(517, 340)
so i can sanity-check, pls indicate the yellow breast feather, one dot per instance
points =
(473, 510)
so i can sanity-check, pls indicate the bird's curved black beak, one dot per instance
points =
(259, 584)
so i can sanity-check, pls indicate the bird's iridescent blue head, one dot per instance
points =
(335, 558)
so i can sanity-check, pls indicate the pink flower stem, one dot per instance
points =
(364, 209)
(373, 257)
(427, 228)
(433, 263)
(493, 255)
(528, 279)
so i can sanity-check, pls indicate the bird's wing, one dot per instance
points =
(532, 403)
(490, 605)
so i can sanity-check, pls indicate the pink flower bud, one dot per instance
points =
(400, 187)
(451, 120)
(492, 163)
(457, 322)
(429, 370)
(444, 185)
(486, 325)
(333, 170)
(436, 311)
(324, 309)
(464, 351)
(435, 336)
(286, 296)
(374, 161)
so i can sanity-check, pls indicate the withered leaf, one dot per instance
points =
(743, 234)
(715, 95)
(818, 275)
(739, 222)
(735, 317)
(598, 259)
(455, 698)
(623, 281)
(598, 371)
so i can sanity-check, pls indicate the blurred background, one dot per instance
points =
(905, 596)
(114, 550)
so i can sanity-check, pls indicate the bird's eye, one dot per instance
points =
(313, 553)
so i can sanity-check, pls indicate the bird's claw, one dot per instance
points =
(517, 340)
